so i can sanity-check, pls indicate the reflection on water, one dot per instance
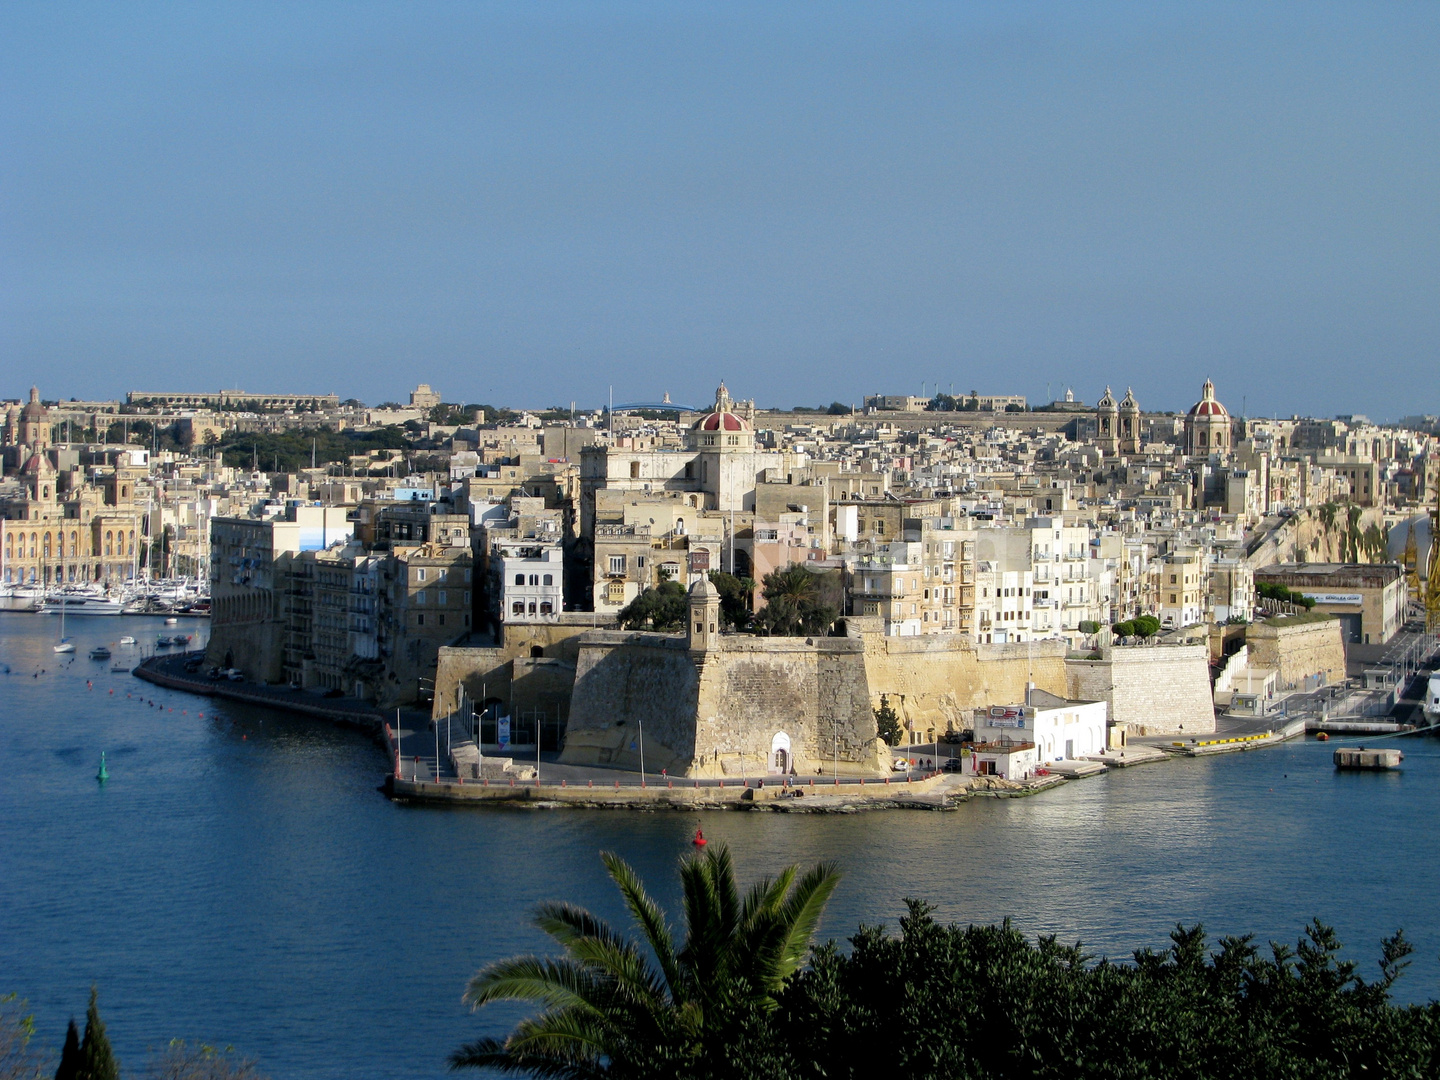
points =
(240, 879)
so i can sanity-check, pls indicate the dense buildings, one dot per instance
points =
(970, 521)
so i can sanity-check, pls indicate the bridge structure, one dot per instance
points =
(658, 406)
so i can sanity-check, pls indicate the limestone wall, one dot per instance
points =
(255, 647)
(812, 695)
(719, 713)
(625, 683)
(935, 682)
(1157, 690)
(1301, 648)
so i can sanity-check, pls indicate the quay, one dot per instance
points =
(817, 795)
(1356, 726)
(1235, 743)
(169, 671)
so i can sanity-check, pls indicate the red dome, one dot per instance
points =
(1208, 408)
(720, 421)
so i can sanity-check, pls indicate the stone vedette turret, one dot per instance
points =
(703, 629)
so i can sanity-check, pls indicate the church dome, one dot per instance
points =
(1106, 402)
(34, 411)
(1207, 405)
(37, 466)
(721, 421)
(722, 417)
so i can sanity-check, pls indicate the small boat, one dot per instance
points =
(163, 642)
(181, 639)
(127, 640)
(171, 621)
(120, 669)
(100, 652)
(81, 605)
(66, 645)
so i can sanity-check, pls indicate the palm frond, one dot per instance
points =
(555, 983)
(800, 914)
(648, 915)
(494, 1054)
(765, 895)
(566, 922)
(622, 964)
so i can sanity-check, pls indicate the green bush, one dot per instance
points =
(887, 723)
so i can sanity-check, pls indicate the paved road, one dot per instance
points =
(418, 741)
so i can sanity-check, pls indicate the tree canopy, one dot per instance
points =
(798, 602)
(660, 607)
(668, 1009)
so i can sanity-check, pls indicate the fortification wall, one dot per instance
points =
(1299, 648)
(1156, 690)
(725, 712)
(758, 695)
(626, 683)
(935, 682)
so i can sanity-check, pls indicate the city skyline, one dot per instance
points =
(510, 201)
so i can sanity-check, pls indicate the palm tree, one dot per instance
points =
(1327, 519)
(608, 1011)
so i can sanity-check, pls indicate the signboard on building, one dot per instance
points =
(1336, 598)
(699, 562)
(1006, 716)
(502, 731)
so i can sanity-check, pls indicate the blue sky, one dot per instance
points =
(530, 203)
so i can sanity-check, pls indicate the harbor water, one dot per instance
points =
(239, 878)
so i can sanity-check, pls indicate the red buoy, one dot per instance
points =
(1323, 737)
(699, 840)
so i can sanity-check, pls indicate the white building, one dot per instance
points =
(1061, 730)
(527, 581)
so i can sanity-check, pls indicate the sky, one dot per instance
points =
(538, 203)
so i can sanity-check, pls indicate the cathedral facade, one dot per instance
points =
(59, 527)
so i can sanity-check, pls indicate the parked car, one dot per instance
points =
(234, 674)
(953, 764)
(900, 764)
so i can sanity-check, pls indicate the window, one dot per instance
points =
(467, 577)
(615, 592)
(534, 579)
(549, 579)
(519, 579)
(442, 619)
(617, 564)
(532, 607)
(419, 573)
(634, 470)
(420, 596)
(420, 620)
(517, 608)
(546, 608)
(441, 600)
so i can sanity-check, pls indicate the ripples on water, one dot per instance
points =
(239, 878)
